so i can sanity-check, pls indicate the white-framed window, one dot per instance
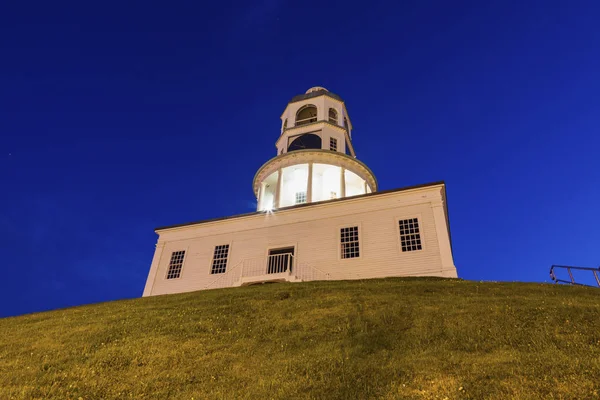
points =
(349, 242)
(410, 234)
(219, 262)
(333, 144)
(175, 264)
(300, 197)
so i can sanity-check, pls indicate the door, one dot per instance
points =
(280, 260)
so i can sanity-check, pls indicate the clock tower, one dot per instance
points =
(315, 158)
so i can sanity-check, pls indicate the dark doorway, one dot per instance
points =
(280, 260)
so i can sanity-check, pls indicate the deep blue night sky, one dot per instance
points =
(118, 117)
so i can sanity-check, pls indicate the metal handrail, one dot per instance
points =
(595, 271)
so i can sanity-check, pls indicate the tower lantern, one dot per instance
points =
(315, 158)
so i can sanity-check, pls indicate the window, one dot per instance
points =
(333, 116)
(285, 124)
(219, 263)
(349, 242)
(410, 236)
(333, 144)
(300, 197)
(175, 264)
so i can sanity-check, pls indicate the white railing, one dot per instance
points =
(273, 267)
(274, 264)
(305, 121)
(226, 279)
(305, 273)
(278, 263)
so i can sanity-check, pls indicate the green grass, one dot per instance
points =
(384, 339)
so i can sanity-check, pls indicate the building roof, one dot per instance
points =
(309, 205)
(316, 93)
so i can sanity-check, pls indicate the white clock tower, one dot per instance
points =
(320, 216)
(315, 158)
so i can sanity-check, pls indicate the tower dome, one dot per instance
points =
(316, 89)
(315, 158)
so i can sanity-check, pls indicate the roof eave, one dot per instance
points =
(406, 188)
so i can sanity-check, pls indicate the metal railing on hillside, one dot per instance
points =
(570, 269)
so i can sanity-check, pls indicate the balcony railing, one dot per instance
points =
(274, 268)
(273, 264)
(305, 121)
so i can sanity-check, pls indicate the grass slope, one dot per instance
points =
(390, 339)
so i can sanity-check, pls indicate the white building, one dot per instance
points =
(319, 217)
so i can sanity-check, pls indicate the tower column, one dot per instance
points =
(342, 182)
(278, 190)
(261, 196)
(309, 183)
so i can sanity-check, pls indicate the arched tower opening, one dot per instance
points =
(306, 141)
(306, 115)
(333, 116)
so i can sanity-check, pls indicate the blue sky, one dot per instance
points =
(118, 117)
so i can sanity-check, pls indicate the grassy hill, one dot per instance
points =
(388, 339)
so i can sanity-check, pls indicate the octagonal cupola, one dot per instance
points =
(317, 119)
(315, 158)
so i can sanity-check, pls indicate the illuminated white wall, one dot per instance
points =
(326, 182)
(268, 192)
(294, 180)
(355, 185)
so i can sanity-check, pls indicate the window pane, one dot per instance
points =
(333, 144)
(410, 235)
(175, 264)
(219, 264)
(349, 242)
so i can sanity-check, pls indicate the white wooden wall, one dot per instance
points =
(315, 232)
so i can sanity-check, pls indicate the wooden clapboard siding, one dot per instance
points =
(315, 232)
